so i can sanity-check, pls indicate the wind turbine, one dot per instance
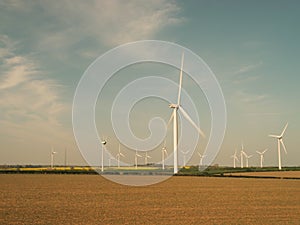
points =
(119, 155)
(174, 116)
(163, 153)
(103, 142)
(242, 153)
(184, 156)
(262, 157)
(235, 158)
(201, 158)
(146, 158)
(136, 158)
(109, 161)
(247, 159)
(279, 141)
(52, 157)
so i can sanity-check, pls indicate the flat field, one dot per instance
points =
(283, 174)
(90, 199)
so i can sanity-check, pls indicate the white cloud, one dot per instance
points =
(31, 106)
(69, 23)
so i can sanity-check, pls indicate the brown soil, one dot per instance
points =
(90, 199)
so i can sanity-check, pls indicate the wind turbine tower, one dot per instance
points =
(174, 116)
(103, 142)
(52, 157)
(163, 153)
(136, 158)
(261, 154)
(279, 141)
(235, 158)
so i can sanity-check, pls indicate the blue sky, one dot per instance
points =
(251, 46)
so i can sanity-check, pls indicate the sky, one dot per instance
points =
(252, 47)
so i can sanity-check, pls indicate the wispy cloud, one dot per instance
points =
(247, 68)
(250, 97)
(100, 23)
(31, 105)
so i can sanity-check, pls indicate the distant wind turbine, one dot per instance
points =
(146, 158)
(242, 154)
(262, 157)
(279, 141)
(119, 155)
(52, 157)
(235, 158)
(103, 142)
(174, 116)
(136, 158)
(247, 159)
(163, 153)
(201, 159)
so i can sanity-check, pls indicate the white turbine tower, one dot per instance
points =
(119, 155)
(201, 159)
(235, 158)
(146, 158)
(52, 157)
(136, 158)
(262, 157)
(279, 141)
(174, 116)
(103, 142)
(163, 153)
(242, 153)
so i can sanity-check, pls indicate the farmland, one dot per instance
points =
(90, 199)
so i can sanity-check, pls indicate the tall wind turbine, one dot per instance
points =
(201, 159)
(279, 141)
(262, 157)
(146, 158)
(52, 157)
(163, 153)
(235, 158)
(119, 155)
(136, 158)
(174, 116)
(103, 142)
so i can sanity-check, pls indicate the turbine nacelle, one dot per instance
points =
(172, 105)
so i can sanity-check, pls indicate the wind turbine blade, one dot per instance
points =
(121, 154)
(264, 151)
(191, 121)
(259, 152)
(170, 120)
(284, 129)
(283, 146)
(274, 136)
(180, 80)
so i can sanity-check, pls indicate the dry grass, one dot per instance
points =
(90, 199)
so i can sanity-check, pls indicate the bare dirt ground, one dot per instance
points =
(288, 174)
(90, 199)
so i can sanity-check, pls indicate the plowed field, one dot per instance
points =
(90, 199)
